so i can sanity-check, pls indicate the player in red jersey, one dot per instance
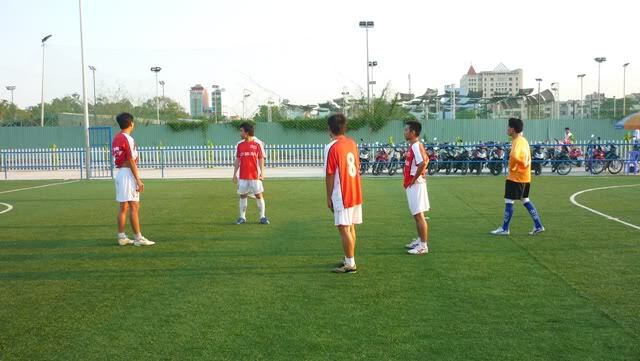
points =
(415, 184)
(250, 162)
(344, 194)
(128, 182)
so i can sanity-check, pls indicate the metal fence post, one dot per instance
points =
(162, 162)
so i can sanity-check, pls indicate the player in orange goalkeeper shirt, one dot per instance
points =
(519, 180)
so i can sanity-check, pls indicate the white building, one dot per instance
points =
(500, 81)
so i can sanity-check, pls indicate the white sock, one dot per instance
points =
(261, 207)
(122, 235)
(243, 208)
(138, 236)
(424, 244)
(351, 262)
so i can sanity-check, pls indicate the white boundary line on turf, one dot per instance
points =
(36, 187)
(573, 200)
(9, 207)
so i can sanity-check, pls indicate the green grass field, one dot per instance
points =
(212, 290)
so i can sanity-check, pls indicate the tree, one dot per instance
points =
(263, 114)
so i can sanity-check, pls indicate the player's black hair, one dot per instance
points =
(516, 124)
(414, 126)
(567, 128)
(124, 120)
(337, 124)
(248, 128)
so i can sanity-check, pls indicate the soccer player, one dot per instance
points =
(415, 185)
(128, 182)
(519, 180)
(344, 194)
(250, 162)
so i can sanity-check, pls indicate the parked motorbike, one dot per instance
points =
(396, 159)
(537, 159)
(432, 153)
(382, 160)
(496, 159)
(612, 159)
(365, 157)
(479, 159)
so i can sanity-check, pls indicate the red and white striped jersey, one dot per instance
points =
(249, 153)
(123, 148)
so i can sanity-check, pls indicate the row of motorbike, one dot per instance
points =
(450, 158)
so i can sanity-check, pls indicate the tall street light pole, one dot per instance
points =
(344, 102)
(624, 89)
(156, 69)
(44, 40)
(599, 61)
(372, 64)
(95, 97)
(581, 77)
(539, 103)
(162, 83)
(85, 103)
(367, 25)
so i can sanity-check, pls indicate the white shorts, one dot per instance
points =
(250, 186)
(418, 198)
(349, 216)
(126, 187)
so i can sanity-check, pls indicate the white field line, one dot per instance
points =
(36, 187)
(573, 200)
(9, 207)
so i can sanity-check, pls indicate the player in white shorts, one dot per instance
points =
(128, 182)
(250, 164)
(415, 184)
(344, 195)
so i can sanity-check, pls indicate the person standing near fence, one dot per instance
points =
(415, 185)
(518, 181)
(128, 182)
(344, 193)
(250, 164)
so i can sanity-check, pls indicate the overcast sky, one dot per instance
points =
(309, 51)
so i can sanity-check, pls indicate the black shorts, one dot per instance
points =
(516, 191)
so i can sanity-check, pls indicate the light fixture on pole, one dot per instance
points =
(12, 88)
(367, 25)
(539, 100)
(624, 89)
(95, 98)
(245, 95)
(581, 77)
(156, 69)
(599, 61)
(44, 40)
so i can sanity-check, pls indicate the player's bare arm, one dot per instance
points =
(421, 167)
(262, 168)
(329, 184)
(131, 164)
(236, 165)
